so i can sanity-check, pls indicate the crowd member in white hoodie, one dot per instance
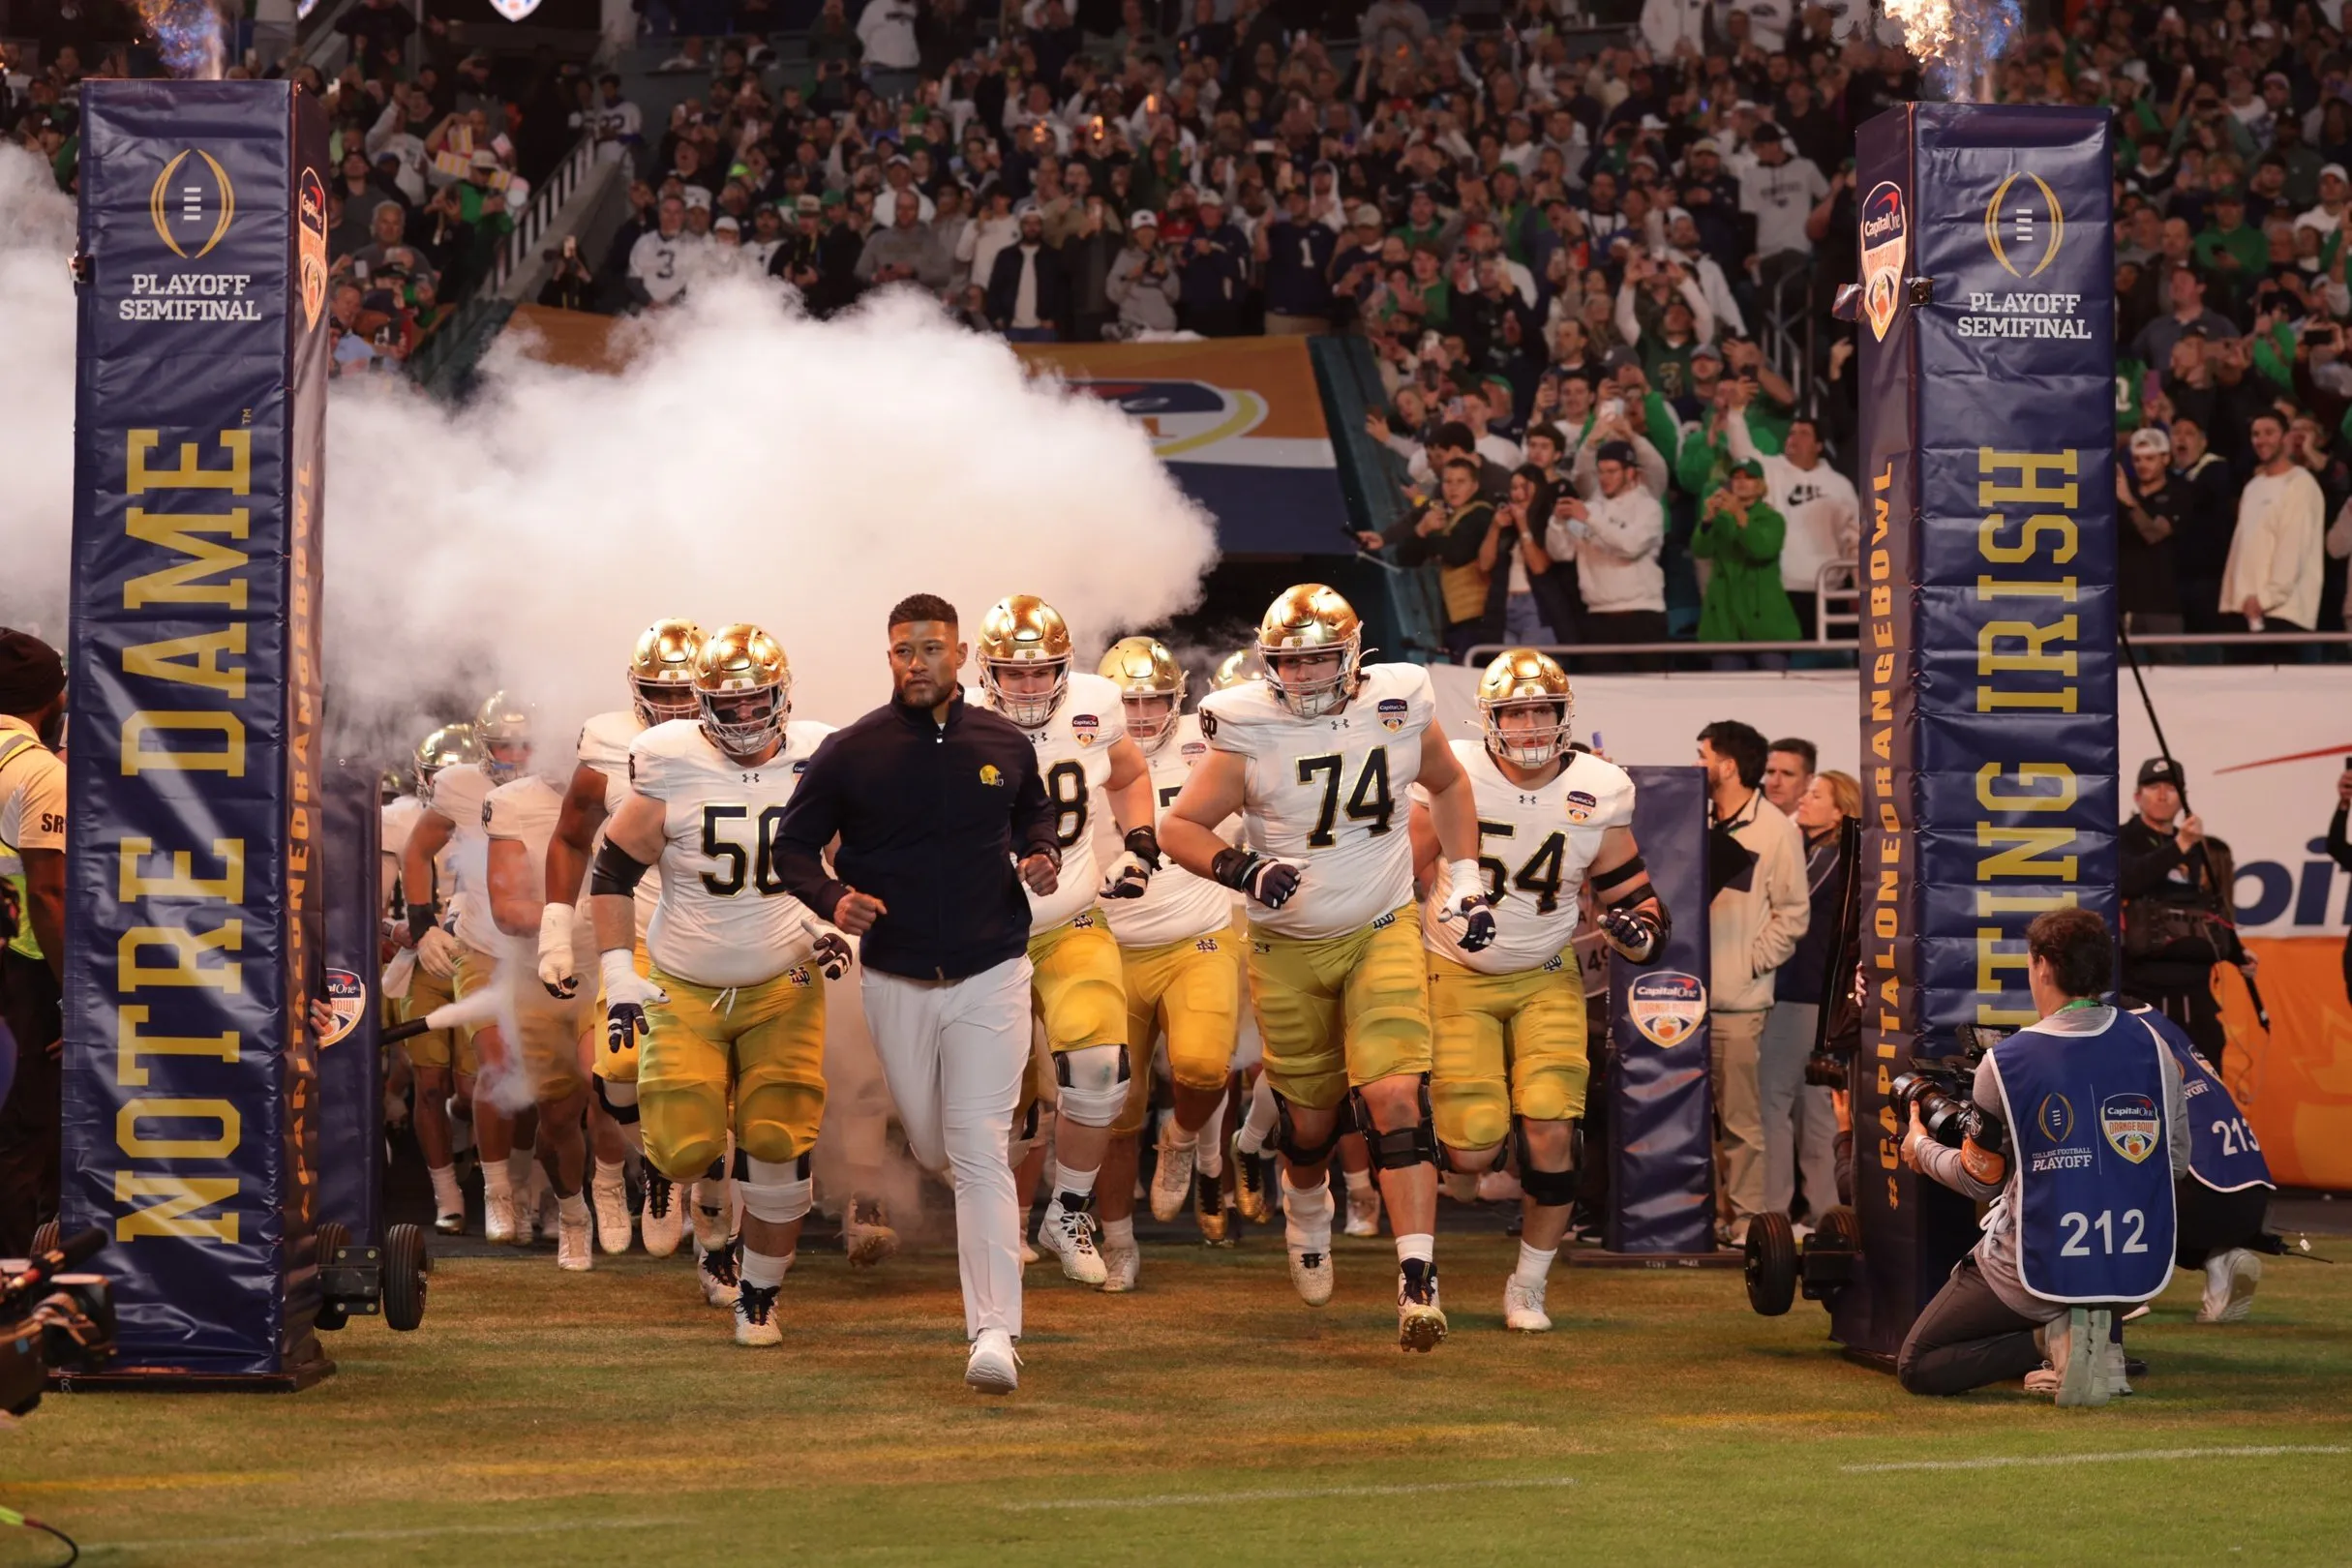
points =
(1818, 503)
(2272, 582)
(1615, 540)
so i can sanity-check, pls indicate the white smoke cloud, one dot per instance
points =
(750, 465)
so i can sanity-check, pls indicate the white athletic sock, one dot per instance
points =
(1420, 1246)
(1533, 1266)
(498, 1182)
(1076, 1184)
(1119, 1232)
(1358, 1181)
(766, 1270)
(713, 1219)
(1209, 1153)
(1257, 1126)
(575, 1208)
(447, 1199)
(611, 1176)
(1176, 1136)
(1307, 1216)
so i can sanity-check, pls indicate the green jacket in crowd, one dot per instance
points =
(1745, 602)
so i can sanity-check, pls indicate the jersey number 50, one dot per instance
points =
(759, 866)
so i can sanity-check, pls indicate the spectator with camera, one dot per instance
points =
(1799, 1122)
(1744, 602)
(1614, 538)
(2174, 885)
(1142, 283)
(2073, 1130)
(1453, 532)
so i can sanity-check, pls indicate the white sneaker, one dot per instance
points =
(2077, 1347)
(2230, 1279)
(499, 1218)
(2043, 1380)
(715, 1270)
(994, 1367)
(866, 1234)
(451, 1223)
(1524, 1306)
(1364, 1211)
(574, 1250)
(610, 1197)
(664, 1224)
(1172, 1177)
(1420, 1319)
(755, 1316)
(1310, 1272)
(1121, 1265)
(1069, 1235)
(2116, 1367)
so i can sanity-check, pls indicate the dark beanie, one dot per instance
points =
(30, 673)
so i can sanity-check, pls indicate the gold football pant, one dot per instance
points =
(546, 1043)
(1191, 989)
(767, 1042)
(1342, 1011)
(1504, 1044)
(436, 1047)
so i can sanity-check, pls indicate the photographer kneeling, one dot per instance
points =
(2081, 1189)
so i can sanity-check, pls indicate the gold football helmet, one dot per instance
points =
(503, 726)
(445, 747)
(1024, 632)
(1151, 686)
(1307, 626)
(1522, 682)
(742, 683)
(661, 672)
(1239, 669)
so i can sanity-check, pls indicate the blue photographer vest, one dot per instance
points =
(2222, 1153)
(2086, 1114)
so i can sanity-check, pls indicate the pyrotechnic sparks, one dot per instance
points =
(187, 35)
(1959, 40)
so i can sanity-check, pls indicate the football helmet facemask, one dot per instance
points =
(1023, 632)
(742, 683)
(1151, 688)
(1522, 682)
(661, 673)
(1311, 628)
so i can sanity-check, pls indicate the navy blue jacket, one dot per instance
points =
(932, 819)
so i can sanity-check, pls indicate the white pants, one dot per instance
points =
(1800, 1123)
(954, 1052)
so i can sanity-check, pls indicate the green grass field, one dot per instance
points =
(1209, 1419)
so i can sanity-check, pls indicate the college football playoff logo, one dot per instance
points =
(1886, 238)
(2024, 226)
(310, 213)
(2129, 1122)
(192, 202)
(1667, 1005)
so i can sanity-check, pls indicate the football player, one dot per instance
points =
(732, 1005)
(1509, 1018)
(661, 688)
(1182, 958)
(440, 1060)
(466, 954)
(1317, 757)
(1078, 725)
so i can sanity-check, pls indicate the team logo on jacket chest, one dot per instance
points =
(1392, 712)
(1581, 805)
(1086, 726)
(2129, 1122)
(991, 776)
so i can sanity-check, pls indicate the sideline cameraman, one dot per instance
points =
(2225, 1202)
(2174, 881)
(2094, 1079)
(32, 931)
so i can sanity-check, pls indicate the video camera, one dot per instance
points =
(1941, 1091)
(51, 1317)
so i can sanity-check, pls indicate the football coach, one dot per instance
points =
(941, 817)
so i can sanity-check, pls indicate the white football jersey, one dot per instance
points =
(1073, 757)
(1331, 793)
(724, 916)
(528, 809)
(1534, 845)
(461, 792)
(1176, 905)
(604, 745)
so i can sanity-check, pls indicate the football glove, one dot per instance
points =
(1267, 881)
(1131, 872)
(555, 966)
(626, 995)
(831, 954)
(437, 953)
(1465, 900)
(1637, 934)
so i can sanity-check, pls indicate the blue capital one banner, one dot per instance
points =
(195, 923)
(1988, 726)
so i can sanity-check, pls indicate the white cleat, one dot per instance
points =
(2230, 1279)
(499, 1218)
(1420, 1320)
(755, 1316)
(715, 1270)
(866, 1234)
(450, 1224)
(575, 1251)
(550, 1214)
(1172, 1177)
(664, 1224)
(1364, 1212)
(1069, 1235)
(1121, 1266)
(1524, 1306)
(1310, 1272)
(611, 1201)
(994, 1367)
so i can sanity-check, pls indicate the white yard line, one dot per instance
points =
(418, 1532)
(1188, 1499)
(2122, 1456)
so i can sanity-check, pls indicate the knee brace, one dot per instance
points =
(1294, 1149)
(1093, 1080)
(619, 1099)
(1405, 1148)
(1550, 1188)
(777, 1194)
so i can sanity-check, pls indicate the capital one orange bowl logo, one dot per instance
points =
(1886, 237)
(310, 204)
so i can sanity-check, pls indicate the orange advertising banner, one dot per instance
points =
(2294, 1081)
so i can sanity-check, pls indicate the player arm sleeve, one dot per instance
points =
(812, 817)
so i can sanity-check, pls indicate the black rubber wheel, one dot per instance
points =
(1771, 1264)
(332, 1239)
(46, 1236)
(1839, 1231)
(406, 1263)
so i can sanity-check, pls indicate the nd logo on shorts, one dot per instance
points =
(1392, 712)
(1665, 1005)
(346, 998)
(2129, 1122)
